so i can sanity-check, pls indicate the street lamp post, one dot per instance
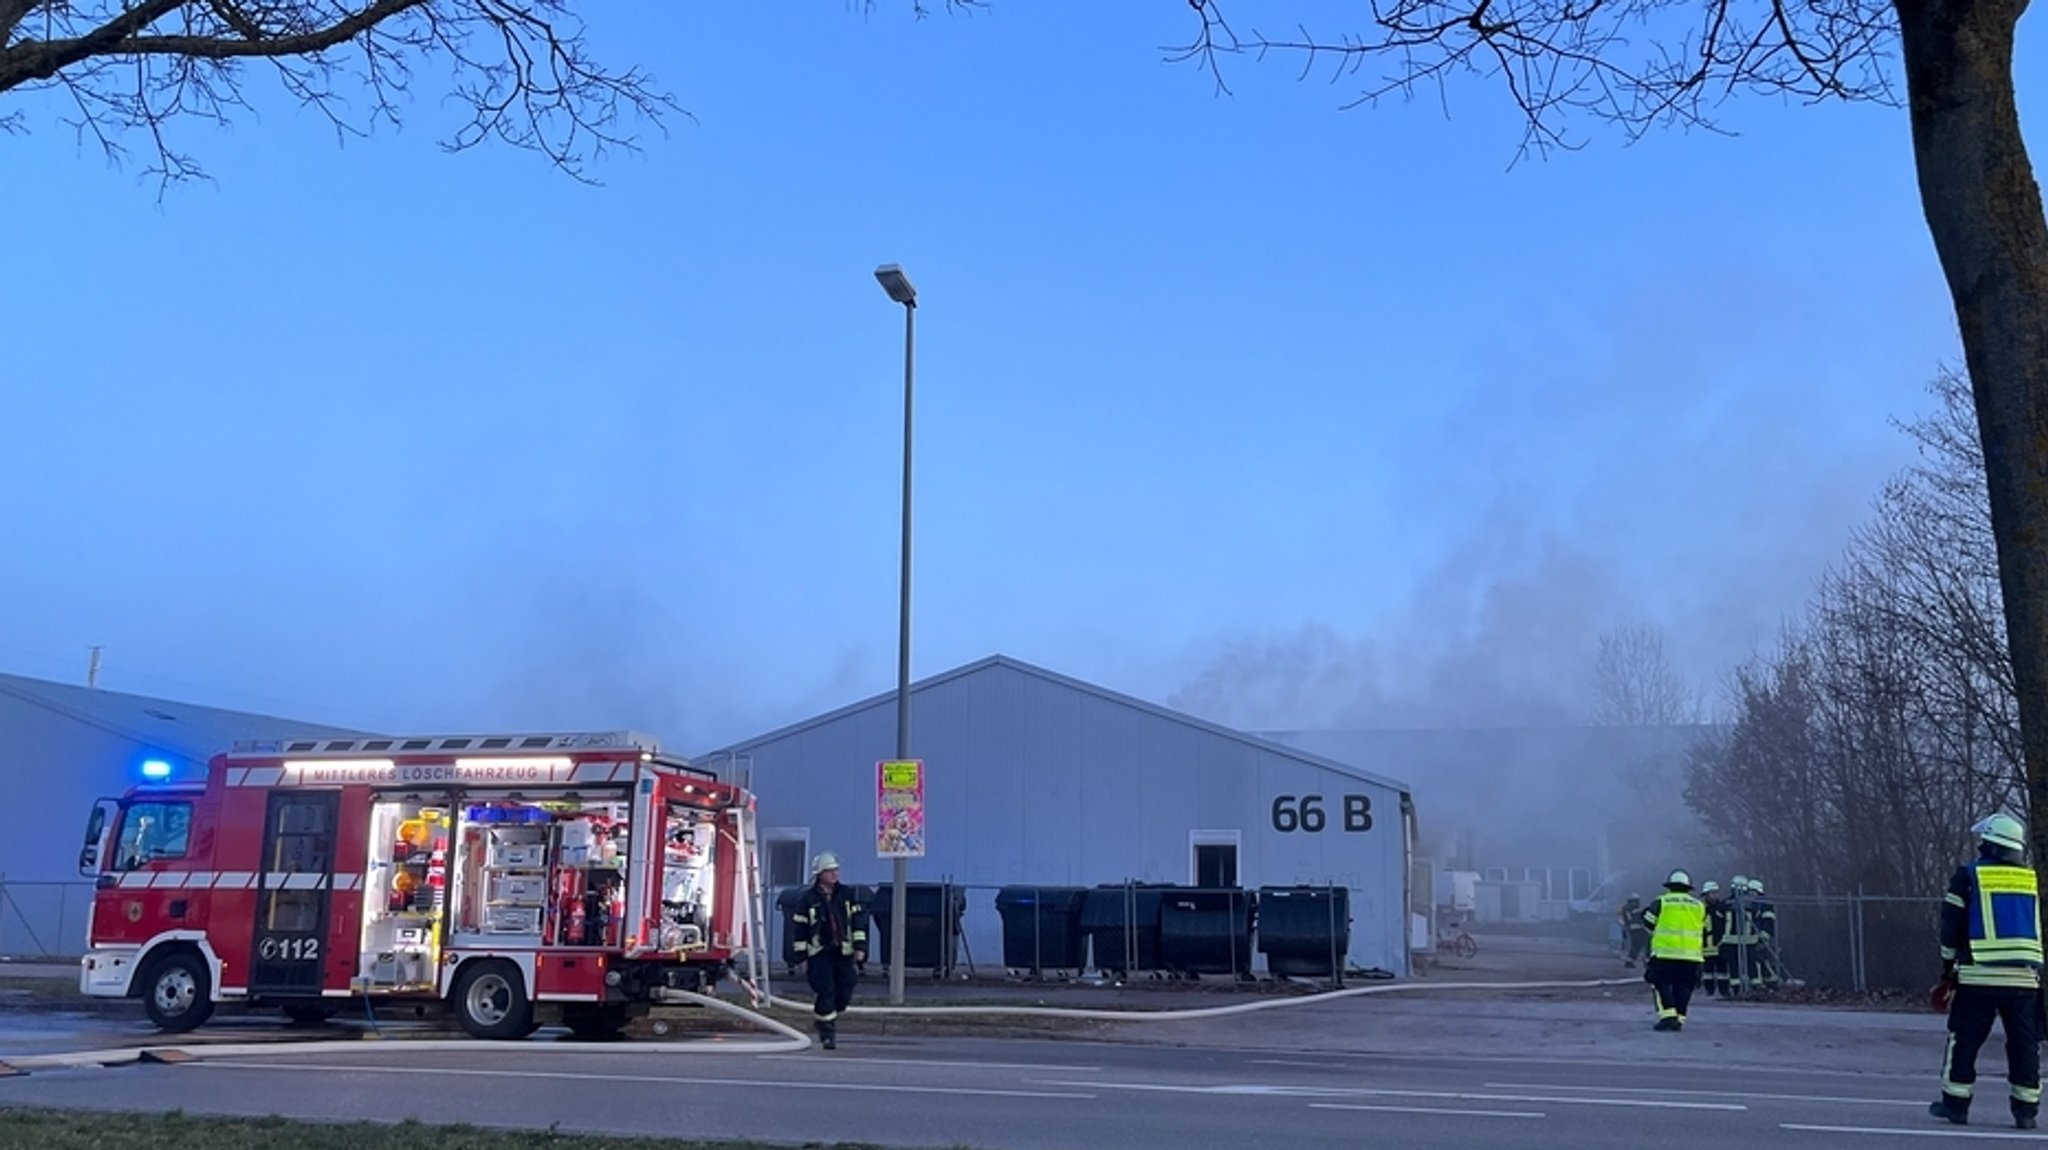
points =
(899, 288)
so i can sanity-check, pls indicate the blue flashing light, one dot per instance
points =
(156, 769)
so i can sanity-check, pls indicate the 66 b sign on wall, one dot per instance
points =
(1306, 813)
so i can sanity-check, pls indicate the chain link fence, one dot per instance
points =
(1849, 943)
(43, 920)
(1859, 943)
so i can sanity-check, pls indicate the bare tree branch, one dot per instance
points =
(1635, 63)
(1892, 708)
(1635, 684)
(521, 68)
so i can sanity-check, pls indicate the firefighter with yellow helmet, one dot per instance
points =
(1991, 961)
(1678, 942)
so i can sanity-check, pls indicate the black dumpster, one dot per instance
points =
(1304, 931)
(931, 929)
(1206, 931)
(1042, 927)
(1114, 916)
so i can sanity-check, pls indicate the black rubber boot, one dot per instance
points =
(828, 1035)
(1950, 1109)
(2026, 1118)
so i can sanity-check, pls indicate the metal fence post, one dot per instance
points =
(1862, 944)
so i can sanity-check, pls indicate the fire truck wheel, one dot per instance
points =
(491, 1002)
(177, 993)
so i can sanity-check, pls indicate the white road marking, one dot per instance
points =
(812, 1058)
(652, 1079)
(2011, 1136)
(1285, 1091)
(1427, 1110)
(1437, 1058)
(1660, 1092)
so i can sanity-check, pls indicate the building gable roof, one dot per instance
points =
(182, 730)
(1153, 709)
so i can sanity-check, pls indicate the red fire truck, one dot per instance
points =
(520, 879)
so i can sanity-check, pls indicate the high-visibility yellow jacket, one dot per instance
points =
(1678, 927)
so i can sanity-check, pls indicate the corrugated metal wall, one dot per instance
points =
(1030, 780)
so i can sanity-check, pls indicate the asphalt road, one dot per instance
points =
(1049, 1095)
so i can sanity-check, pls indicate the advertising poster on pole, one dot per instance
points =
(899, 809)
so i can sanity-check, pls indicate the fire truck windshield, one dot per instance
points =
(153, 830)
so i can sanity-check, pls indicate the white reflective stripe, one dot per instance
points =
(135, 878)
(346, 881)
(264, 776)
(591, 773)
(234, 880)
(304, 881)
(237, 776)
(273, 879)
(623, 773)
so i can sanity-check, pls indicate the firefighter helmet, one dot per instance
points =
(1679, 880)
(2002, 830)
(824, 862)
(1756, 886)
(1709, 887)
(1738, 884)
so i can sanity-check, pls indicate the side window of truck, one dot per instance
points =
(152, 831)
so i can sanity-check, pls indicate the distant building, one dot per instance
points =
(1037, 778)
(61, 748)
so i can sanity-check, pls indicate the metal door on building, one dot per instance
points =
(292, 892)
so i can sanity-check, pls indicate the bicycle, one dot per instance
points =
(1461, 944)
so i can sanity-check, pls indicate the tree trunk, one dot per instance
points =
(1984, 210)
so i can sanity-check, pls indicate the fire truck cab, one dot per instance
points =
(519, 879)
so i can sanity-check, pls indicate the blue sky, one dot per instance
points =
(1283, 412)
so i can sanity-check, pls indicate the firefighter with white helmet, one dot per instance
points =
(1714, 971)
(1678, 942)
(1738, 940)
(1991, 961)
(1763, 927)
(831, 932)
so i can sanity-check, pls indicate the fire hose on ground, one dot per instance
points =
(1191, 1013)
(790, 1040)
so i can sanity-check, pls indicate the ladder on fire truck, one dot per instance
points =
(752, 896)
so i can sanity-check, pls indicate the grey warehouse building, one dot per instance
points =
(61, 748)
(1036, 778)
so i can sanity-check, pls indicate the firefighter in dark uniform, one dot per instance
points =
(1714, 971)
(1638, 934)
(1678, 944)
(831, 931)
(1737, 940)
(1991, 960)
(1764, 953)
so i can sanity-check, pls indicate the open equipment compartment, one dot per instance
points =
(405, 889)
(549, 873)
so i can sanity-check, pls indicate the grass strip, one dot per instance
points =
(35, 1129)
